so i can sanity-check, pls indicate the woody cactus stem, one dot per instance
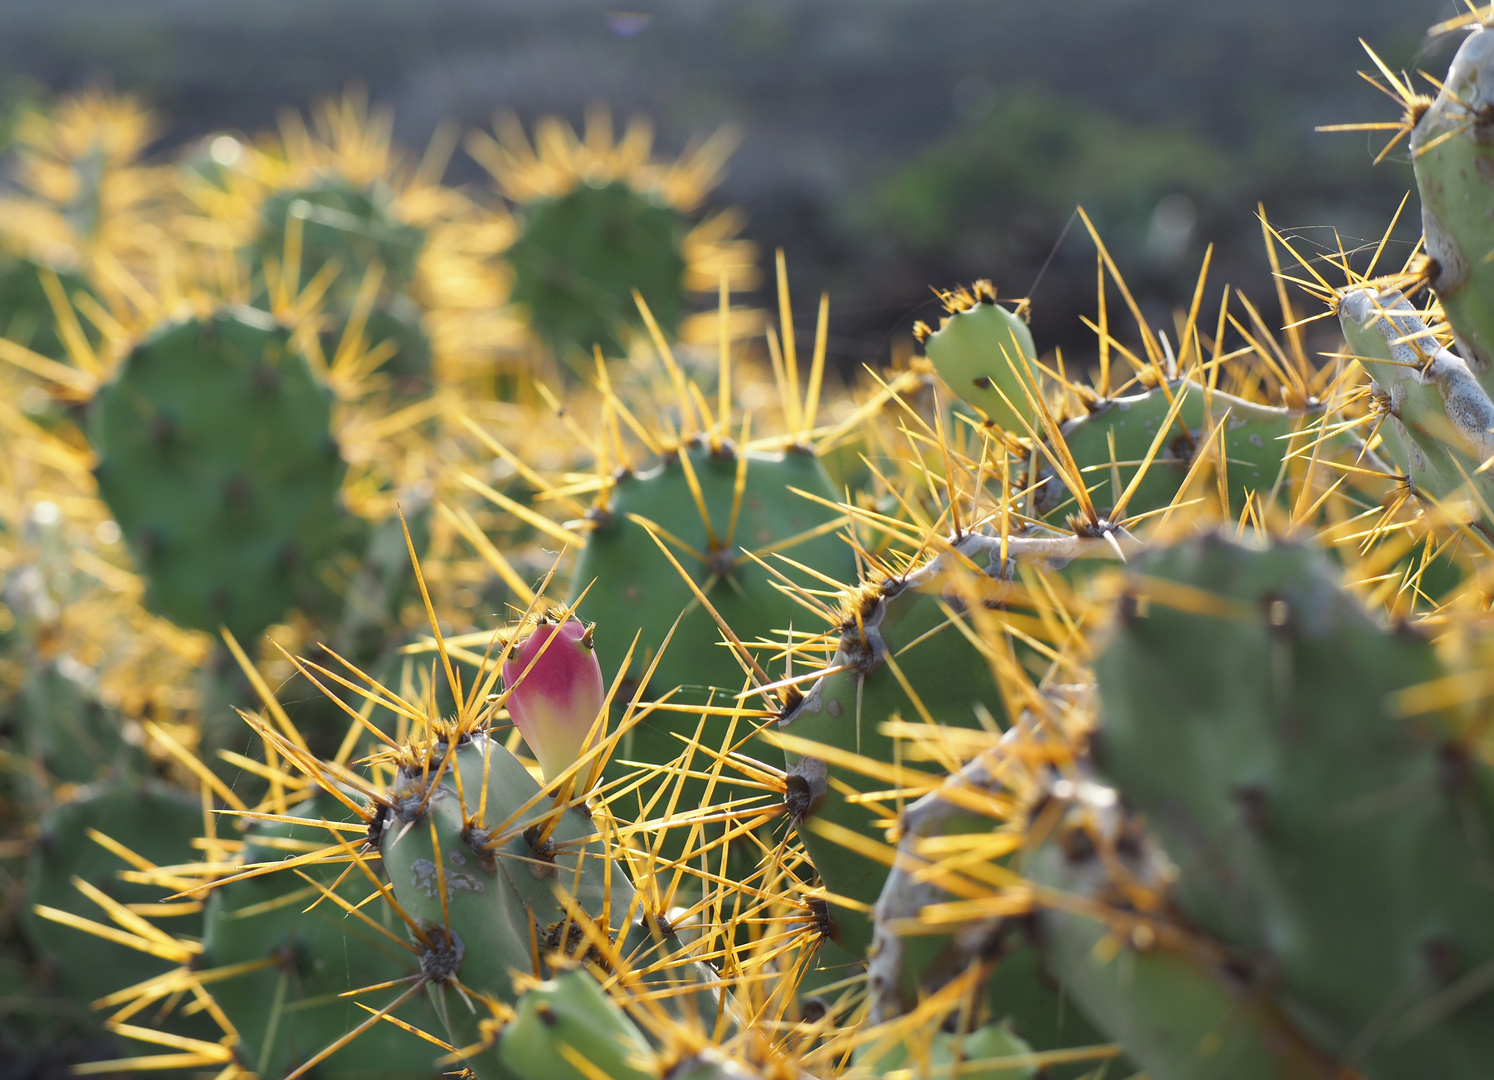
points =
(898, 654)
(1438, 421)
(1452, 146)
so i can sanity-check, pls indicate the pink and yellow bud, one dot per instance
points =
(556, 692)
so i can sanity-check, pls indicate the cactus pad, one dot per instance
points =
(1259, 726)
(217, 459)
(581, 255)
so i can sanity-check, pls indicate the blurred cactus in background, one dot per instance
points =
(432, 640)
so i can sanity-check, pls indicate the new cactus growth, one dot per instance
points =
(555, 692)
(985, 352)
(1130, 453)
(217, 459)
(568, 1029)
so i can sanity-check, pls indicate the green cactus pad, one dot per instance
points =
(395, 321)
(500, 899)
(1308, 812)
(570, 1016)
(979, 352)
(579, 257)
(155, 822)
(67, 730)
(906, 620)
(636, 589)
(1176, 1015)
(288, 1012)
(1255, 439)
(345, 224)
(217, 459)
(1454, 158)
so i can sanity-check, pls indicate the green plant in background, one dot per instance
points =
(1032, 150)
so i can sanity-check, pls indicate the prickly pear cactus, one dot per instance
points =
(1452, 149)
(1129, 452)
(911, 962)
(342, 223)
(566, 1018)
(984, 352)
(900, 655)
(75, 873)
(579, 257)
(291, 951)
(1169, 998)
(1254, 712)
(1436, 418)
(216, 457)
(66, 730)
(480, 862)
(745, 504)
(27, 313)
(992, 1052)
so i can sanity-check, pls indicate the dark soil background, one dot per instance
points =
(888, 145)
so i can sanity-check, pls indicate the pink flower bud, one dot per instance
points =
(556, 702)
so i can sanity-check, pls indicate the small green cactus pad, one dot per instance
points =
(1176, 1011)
(907, 967)
(27, 316)
(153, 821)
(1255, 438)
(579, 257)
(217, 459)
(569, 1017)
(501, 892)
(992, 1052)
(1452, 149)
(1317, 824)
(66, 729)
(905, 623)
(288, 1012)
(636, 589)
(345, 224)
(981, 352)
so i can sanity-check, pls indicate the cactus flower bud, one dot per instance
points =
(556, 702)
